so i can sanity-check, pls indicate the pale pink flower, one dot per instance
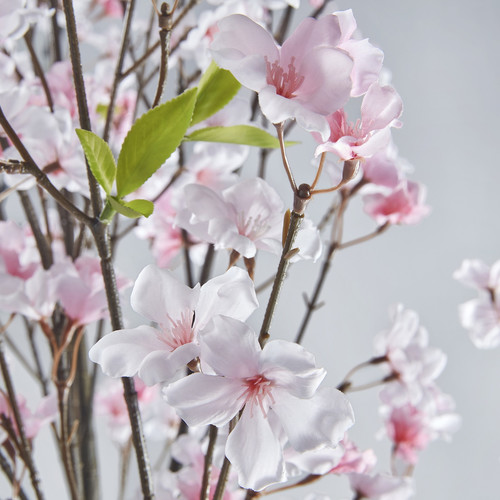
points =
(166, 238)
(354, 460)
(244, 217)
(413, 363)
(277, 390)
(188, 451)
(367, 58)
(380, 109)
(305, 79)
(45, 413)
(408, 429)
(80, 289)
(381, 487)
(159, 423)
(481, 316)
(156, 354)
(404, 205)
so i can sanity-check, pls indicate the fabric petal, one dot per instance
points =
(231, 294)
(158, 294)
(255, 452)
(120, 353)
(205, 399)
(241, 46)
(291, 367)
(162, 366)
(230, 348)
(317, 421)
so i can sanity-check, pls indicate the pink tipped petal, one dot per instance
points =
(317, 421)
(157, 290)
(205, 399)
(120, 353)
(162, 366)
(230, 348)
(381, 105)
(231, 294)
(255, 452)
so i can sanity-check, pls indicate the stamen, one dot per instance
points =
(258, 388)
(285, 82)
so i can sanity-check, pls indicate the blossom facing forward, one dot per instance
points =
(180, 312)
(307, 78)
(276, 390)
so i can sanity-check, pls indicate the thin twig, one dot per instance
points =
(207, 469)
(119, 66)
(295, 221)
(25, 447)
(7, 470)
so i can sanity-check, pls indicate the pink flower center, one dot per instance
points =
(179, 332)
(253, 227)
(258, 388)
(286, 82)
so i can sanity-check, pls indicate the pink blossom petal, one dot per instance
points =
(310, 33)
(156, 291)
(231, 294)
(121, 353)
(380, 106)
(367, 64)
(255, 452)
(241, 46)
(161, 366)
(474, 273)
(230, 348)
(299, 375)
(310, 423)
(205, 399)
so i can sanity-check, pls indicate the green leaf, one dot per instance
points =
(238, 134)
(132, 209)
(151, 140)
(100, 158)
(217, 87)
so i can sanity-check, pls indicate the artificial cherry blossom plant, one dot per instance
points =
(150, 138)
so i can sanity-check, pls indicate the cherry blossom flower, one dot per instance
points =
(381, 487)
(159, 423)
(306, 79)
(276, 388)
(413, 363)
(354, 460)
(403, 205)
(379, 111)
(45, 413)
(481, 316)
(80, 289)
(188, 451)
(244, 217)
(180, 312)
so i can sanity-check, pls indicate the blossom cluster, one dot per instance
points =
(232, 408)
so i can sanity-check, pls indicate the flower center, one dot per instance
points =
(253, 227)
(258, 388)
(286, 82)
(179, 332)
